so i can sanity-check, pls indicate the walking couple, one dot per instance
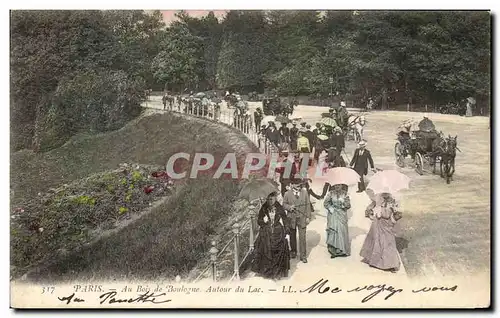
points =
(279, 226)
(379, 248)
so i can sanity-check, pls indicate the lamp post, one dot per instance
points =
(331, 88)
(213, 259)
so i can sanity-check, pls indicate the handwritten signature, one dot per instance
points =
(111, 297)
(321, 287)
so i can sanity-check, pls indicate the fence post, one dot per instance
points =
(236, 231)
(252, 234)
(213, 258)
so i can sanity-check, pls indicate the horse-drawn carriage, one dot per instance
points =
(426, 146)
(272, 106)
(232, 100)
(276, 106)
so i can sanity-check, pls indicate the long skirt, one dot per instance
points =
(337, 233)
(271, 255)
(379, 249)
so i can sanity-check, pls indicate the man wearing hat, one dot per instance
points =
(262, 135)
(285, 133)
(331, 112)
(257, 117)
(359, 163)
(310, 137)
(298, 206)
(337, 143)
(294, 131)
(286, 180)
(317, 129)
(272, 134)
(342, 115)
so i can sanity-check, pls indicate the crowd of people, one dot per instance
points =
(283, 219)
(290, 136)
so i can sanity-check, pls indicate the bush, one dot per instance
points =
(94, 101)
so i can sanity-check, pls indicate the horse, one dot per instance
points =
(357, 125)
(448, 158)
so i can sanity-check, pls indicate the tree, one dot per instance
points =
(243, 56)
(180, 61)
(50, 49)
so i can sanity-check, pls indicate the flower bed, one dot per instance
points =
(70, 216)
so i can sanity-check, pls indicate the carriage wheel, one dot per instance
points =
(419, 163)
(398, 153)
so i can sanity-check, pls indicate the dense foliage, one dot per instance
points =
(74, 71)
(429, 57)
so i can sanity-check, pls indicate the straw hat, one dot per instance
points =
(362, 143)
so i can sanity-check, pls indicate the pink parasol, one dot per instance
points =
(388, 181)
(340, 175)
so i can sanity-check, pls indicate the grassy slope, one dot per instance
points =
(151, 140)
(164, 243)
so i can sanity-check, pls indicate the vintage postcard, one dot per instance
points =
(250, 159)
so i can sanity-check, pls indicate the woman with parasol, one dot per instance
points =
(272, 255)
(337, 203)
(379, 249)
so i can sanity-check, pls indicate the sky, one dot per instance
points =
(169, 15)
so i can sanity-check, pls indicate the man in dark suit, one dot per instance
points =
(298, 206)
(257, 117)
(360, 162)
(294, 135)
(337, 143)
(286, 180)
(273, 134)
(285, 133)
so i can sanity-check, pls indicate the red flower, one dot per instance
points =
(148, 189)
(160, 174)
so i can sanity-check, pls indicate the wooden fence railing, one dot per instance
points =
(245, 125)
